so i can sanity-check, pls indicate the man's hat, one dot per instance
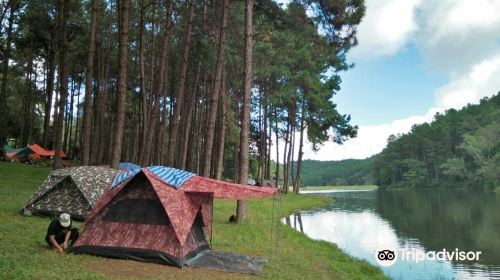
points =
(65, 219)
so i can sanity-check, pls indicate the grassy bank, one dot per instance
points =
(324, 188)
(24, 254)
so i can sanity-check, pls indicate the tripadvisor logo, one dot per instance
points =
(387, 256)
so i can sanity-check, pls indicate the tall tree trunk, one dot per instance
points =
(286, 135)
(291, 139)
(236, 157)
(214, 98)
(158, 137)
(77, 138)
(192, 161)
(51, 68)
(99, 144)
(71, 90)
(87, 111)
(63, 81)
(277, 149)
(27, 100)
(142, 86)
(5, 73)
(107, 117)
(108, 123)
(153, 93)
(241, 209)
(301, 153)
(57, 93)
(291, 155)
(31, 115)
(219, 168)
(267, 128)
(180, 88)
(69, 124)
(154, 114)
(137, 129)
(189, 118)
(197, 140)
(116, 151)
(262, 144)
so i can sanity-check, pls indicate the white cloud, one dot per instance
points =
(371, 139)
(461, 39)
(462, 29)
(386, 27)
(478, 13)
(481, 81)
(456, 34)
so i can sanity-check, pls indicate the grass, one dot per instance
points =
(24, 254)
(323, 188)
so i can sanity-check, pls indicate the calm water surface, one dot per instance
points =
(361, 222)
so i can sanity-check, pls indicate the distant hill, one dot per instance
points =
(336, 173)
(459, 148)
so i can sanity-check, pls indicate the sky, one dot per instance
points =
(415, 58)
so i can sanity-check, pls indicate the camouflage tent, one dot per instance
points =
(72, 190)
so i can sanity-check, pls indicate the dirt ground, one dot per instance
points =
(124, 269)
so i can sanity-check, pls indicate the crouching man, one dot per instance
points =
(60, 232)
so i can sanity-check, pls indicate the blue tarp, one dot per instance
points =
(172, 176)
(128, 166)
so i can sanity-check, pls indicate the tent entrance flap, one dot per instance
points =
(64, 197)
(227, 262)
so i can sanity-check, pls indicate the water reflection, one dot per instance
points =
(359, 223)
(297, 218)
(446, 219)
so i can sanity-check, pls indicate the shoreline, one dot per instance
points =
(340, 188)
(331, 191)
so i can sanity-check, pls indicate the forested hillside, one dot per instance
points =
(459, 148)
(336, 173)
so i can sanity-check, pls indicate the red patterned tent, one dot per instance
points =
(157, 214)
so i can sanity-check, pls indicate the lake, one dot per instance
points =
(414, 223)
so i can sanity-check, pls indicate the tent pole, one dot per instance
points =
(272, 230)
(278, 228)
(212, 223)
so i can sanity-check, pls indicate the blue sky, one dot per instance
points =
(415, 58)
(385, 89)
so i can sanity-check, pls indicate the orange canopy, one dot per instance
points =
(43, 152)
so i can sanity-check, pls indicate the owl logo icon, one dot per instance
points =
(386, 256)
